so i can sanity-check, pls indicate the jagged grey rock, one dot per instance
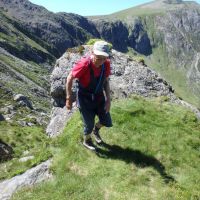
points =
(1, 117)
(24, 159)
(6, 151)
(23, 100)
(60, 116)
(29, 178)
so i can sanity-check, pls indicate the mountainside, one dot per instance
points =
(167, 34)
(60, 30)
(24, 64)
(31, 38)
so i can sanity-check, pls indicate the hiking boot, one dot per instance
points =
(97, 136)
(87, 142)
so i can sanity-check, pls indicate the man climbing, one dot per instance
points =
(93, 94)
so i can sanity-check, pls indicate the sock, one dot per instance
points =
(96, 129)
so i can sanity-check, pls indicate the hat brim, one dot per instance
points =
(101, 53)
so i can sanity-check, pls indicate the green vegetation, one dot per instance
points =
(139, 59)
(80, 49)
(22, 78)
(148, 9)
(151, 152)
(32, 140)
(92, 41)
(13, 34)
(23, 139)
(32, 71)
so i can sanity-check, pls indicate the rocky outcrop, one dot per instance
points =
(128, 77)
(131, 35)
(138, 38)
(1, 117)
(23, 100)
(181, 31)
(29, 178)
(6, 151)
(59, 117)
(109, 31)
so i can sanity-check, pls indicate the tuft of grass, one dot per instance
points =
(151, 152)
(139, 59)
(93, 40)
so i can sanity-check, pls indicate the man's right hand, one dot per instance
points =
(69, 103)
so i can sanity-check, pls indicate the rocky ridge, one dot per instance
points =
(128, 78)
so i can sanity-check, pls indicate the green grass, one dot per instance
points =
(151, 152)
(21, 139)
(31, 139)
(34, 72)
(16, 37)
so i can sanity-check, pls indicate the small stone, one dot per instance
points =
(24, 159)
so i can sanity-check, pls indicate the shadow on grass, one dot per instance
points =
(134, 156)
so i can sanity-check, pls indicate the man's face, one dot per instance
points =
(99, 60)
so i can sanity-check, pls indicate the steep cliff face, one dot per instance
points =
(181, 35)
(123, 35)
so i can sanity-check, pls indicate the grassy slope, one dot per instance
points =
(13, 36)
(176, 77)
(32, 139)
(151, 8)
(164, 65)
(152, 152)
(18, 37)
(23, 139)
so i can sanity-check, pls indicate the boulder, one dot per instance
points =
(23, 101)
(29, 178)
(1, 117)
(6, 151)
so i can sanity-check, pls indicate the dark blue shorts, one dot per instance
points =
(90, 108)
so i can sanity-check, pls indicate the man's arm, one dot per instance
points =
(69, 91)
(107, 91)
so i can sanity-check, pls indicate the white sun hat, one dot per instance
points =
(101, 48)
